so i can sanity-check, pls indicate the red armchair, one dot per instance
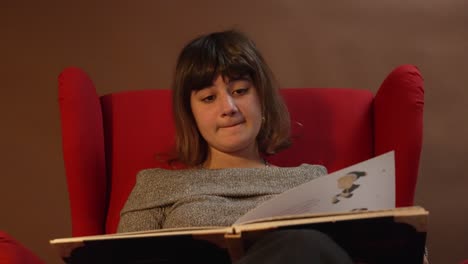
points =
(108, 139)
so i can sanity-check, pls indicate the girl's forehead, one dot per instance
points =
(198, 82)
(232, 78)
(220, 80)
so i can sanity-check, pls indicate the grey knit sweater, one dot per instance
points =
(201, 197)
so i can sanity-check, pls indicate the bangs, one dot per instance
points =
(214, 57)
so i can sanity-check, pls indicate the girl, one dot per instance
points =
(228, 115)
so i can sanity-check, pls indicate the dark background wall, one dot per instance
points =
(127, 45)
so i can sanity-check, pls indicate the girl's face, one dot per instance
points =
(228, 116)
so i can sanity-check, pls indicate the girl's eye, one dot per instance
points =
(240, 91)
(208, 99)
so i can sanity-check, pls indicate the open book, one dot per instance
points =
(354, 206)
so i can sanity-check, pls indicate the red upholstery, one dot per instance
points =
(11, 251)
(108, 139)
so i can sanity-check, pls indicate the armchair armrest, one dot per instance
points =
(83, 151)
(398, 124)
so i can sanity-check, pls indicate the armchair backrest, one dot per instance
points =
(108, 139)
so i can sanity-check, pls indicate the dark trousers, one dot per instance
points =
(295, 246)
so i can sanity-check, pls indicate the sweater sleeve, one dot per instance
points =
(141, 220)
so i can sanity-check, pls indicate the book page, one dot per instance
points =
(369, 185)
(415, 216)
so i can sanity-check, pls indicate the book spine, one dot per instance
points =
(234, 245)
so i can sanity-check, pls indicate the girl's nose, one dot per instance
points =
(228, 105)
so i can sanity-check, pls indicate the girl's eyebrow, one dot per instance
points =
(202, 89)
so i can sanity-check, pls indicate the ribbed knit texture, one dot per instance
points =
(203, 197)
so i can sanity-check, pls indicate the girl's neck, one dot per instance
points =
(221, 160)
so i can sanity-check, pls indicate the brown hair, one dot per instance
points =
(229, 54)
